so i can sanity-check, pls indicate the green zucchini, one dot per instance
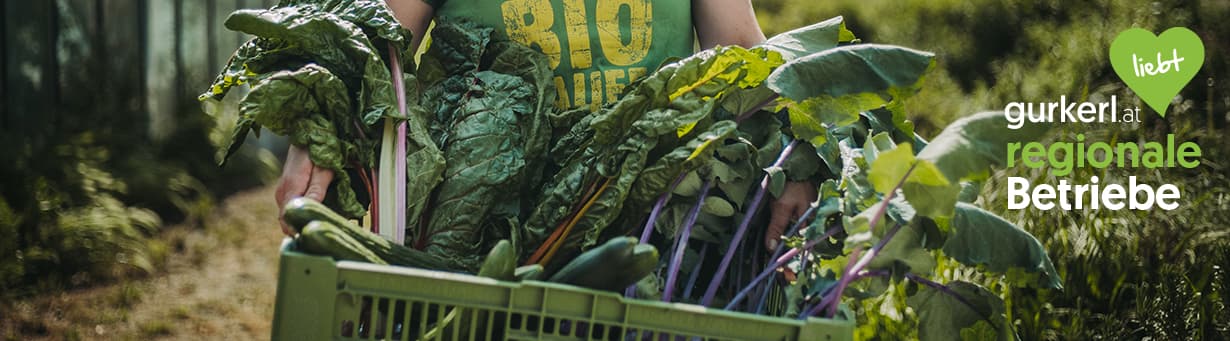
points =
(298, 212)
(501, 262)
(532, 272)
(321, 237)
(302, 209)
(613, 266)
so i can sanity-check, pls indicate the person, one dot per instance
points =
(594, 47)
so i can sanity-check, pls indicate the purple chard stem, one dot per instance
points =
(814, 309)
(831, 299)
(672, 273)
(653, 218)
(781, 259)
(777, 252)
(752, 207)
(657, 209)
(848, 275)
(687, 290)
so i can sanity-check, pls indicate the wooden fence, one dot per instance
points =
(138, 62)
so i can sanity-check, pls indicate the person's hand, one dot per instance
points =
(300, 178)
(790, 206)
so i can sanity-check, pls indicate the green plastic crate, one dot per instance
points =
(319, 298)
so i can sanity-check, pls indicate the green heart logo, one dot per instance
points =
(1157, 67)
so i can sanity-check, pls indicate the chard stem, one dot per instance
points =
(399, 165)
(687, 290)
(780, 261)
(753, 206)
(672, 273)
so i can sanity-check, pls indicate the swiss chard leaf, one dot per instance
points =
(487, 117)
(344, 39)
(659, 112)
(298, 104)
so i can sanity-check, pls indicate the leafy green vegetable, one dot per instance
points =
(809, 39)
(981, 238)
(485, 122)
(675, 102)
(317, 76)
(855, 78)
(951, 311)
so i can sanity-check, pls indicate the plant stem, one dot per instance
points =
(832, 298)
(647, 230)
(672, 273)
(813, 309)
(744, 115)
(753, 206)
(399, 166)
(687, 290)
(944, 289)
(782, 259)
(657, 208)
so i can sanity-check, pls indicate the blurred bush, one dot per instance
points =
(84, 188)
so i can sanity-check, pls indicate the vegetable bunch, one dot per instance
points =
(685, 159)
(315, 74)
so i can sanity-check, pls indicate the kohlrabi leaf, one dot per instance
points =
(947, 314)
(980, 238)
(830, 88)
(850, 70)
(927, 190)
(906, 251)
(969, 147)
(810, 39)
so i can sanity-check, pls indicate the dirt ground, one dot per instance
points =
(218, 284)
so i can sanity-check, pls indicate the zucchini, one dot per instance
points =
(613, 266)
(501, 262)
(301, 211)
(320, 237)
(532, 272)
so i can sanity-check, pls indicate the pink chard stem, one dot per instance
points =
(399, 166)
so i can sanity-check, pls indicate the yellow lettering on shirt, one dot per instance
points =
(595, 90)
(578, 34)
(529, 22)
(612, 86)
(639, 15)
(635, 73)
(590, 89)
(579, 85)
(532, 23)
(561, 94)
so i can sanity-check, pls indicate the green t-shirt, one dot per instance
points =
(595, 47)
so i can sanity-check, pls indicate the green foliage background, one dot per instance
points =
(1127, 274)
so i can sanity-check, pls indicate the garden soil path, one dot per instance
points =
(218, 283)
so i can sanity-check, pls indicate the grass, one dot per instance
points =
(156, 328)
